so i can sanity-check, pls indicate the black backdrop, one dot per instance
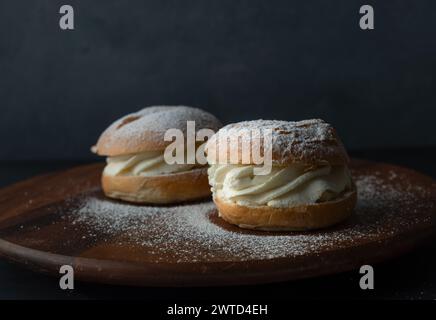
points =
(238, 59)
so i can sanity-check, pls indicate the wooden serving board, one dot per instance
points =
(63, 218)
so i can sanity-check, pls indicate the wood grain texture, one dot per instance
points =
(38, 230)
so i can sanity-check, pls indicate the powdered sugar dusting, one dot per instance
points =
(305, 140)
(175, 231)
(305, 130)
(150, 124)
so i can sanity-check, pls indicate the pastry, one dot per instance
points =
(309, 185)
(137, 170)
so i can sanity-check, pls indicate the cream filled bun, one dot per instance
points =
(308, 186)
(136, 169)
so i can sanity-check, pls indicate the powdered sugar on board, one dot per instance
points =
(175, 231)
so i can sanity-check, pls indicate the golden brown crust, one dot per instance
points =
(305, 217)
(311, 142)
(163, 189)
(144, 130)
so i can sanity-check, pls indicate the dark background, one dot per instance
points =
(238, 59)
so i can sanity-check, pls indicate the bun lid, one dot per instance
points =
(310, 142)
(144, 130)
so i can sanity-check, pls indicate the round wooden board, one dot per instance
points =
(63, 218)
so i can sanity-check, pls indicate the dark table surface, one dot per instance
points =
(412, 276)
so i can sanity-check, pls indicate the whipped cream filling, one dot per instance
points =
(150, 163)
(284, 187)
